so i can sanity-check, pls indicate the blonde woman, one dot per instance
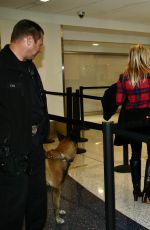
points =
(133, 92)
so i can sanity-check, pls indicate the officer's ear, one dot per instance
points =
(29, 40)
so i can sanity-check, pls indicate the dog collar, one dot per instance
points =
(61, 157)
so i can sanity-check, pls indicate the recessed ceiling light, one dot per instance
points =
(44, 0)
(95, 44)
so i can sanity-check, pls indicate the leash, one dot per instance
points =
(62, 158)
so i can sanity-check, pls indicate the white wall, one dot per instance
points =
(51, 68)
(50, 62)
(93, 70)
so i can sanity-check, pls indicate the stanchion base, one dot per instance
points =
(122, 168)
(49, 141)
(79, 150)
(82, 139)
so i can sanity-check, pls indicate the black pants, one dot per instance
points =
(24, 197)
(136, 148)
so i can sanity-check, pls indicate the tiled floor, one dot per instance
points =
(87, 170)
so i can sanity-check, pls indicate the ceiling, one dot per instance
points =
(130, 11)
(134, 11)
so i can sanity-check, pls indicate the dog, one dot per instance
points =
(57, 162)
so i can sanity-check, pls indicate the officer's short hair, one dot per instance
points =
(26, 27)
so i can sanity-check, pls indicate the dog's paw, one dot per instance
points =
(62, 212)
(60, 220)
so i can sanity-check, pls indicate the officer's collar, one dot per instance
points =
(11, 60)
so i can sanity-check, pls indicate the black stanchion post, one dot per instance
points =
(76, 116)
(125, 155)
(80, 113)
(109, 176)
(82, 107)
(69, 109)
(81, 103)
(125, 168)
(48, 139)
(76, 113)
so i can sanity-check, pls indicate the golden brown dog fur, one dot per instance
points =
(57, 164)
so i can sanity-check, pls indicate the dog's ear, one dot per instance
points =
(60, 136)
(73, 137)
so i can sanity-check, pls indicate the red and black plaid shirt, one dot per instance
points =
(135, 96)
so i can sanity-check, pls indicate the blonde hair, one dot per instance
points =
(139, 64)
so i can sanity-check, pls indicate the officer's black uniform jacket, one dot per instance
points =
(15, 103)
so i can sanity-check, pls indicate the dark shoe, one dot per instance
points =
(146, 198)
(146, 190)
(135, 166)
(137, 193)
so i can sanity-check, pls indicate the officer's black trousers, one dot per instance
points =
(23, 197)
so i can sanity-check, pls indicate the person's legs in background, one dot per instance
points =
(146, 190)
(135, 165)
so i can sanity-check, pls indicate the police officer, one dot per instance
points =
(23, 127)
